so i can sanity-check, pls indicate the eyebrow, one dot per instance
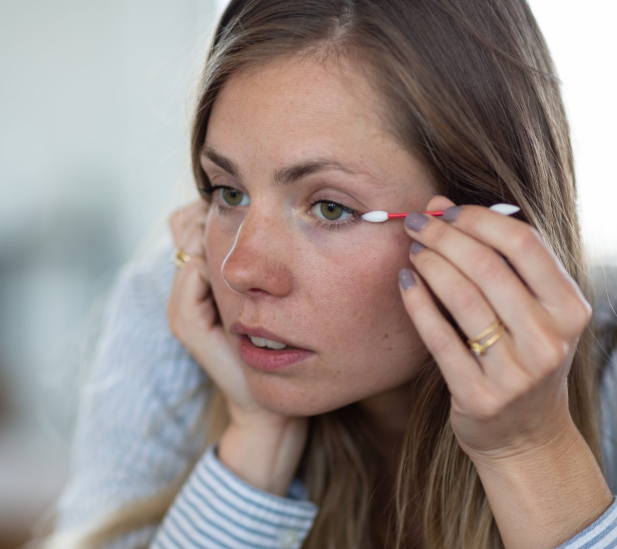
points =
(283, 176)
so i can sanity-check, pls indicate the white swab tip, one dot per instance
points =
(375, 217)
(505, 209)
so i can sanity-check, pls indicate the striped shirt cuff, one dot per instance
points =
(602, 534)
(217, 509)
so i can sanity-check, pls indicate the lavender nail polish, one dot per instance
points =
(451, 213)
(406, 278)
(416, 247)
(416, 221)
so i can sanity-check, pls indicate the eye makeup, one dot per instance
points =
(332, 224)
(376, 216)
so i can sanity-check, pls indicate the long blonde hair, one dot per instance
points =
(470, 89)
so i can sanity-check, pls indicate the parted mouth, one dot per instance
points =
(260, 337)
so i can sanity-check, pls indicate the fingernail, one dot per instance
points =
(416, 221)
(451, 213)
(406, 278)
(416, 247)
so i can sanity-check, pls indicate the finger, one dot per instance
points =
(439, 203)
(192, 239)
(528, 253)
(192, 314)
(191, 244)
(195, 293)
(191, 293)
(473, 313)
(458, 366)
(184, 217)
(510, 298)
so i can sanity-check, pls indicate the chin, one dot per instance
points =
(287, 397)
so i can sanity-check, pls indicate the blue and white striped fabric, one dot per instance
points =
(136, 431)
(217, 509)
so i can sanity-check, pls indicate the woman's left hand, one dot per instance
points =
(512, 400)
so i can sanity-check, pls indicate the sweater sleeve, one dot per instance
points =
(139, 405)
(601, 534)
(219, 510)
(136, 431)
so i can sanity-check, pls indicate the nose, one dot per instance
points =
(260, 258)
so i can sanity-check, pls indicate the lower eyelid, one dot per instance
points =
(223, 210)
(330, 225)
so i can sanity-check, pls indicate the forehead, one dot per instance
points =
(289, 111)
(291, 108)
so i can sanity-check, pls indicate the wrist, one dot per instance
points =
(556, 490)
(265, 456)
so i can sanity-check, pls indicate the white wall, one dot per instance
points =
(93, 157)
(93, 152)
(583, 42)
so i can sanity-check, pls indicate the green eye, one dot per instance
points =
(331, 210)
(232, 196)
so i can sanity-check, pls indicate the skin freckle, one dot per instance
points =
(273, 266)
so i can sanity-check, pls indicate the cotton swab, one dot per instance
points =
(379, 216)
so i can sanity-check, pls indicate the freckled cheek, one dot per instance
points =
(357, 301)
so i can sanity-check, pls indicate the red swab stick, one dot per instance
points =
(378, 216)
(404, 214)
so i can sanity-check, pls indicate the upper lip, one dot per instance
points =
(240, 329)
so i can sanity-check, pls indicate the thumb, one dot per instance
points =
(439, 202)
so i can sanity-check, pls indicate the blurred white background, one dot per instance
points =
(94, 155)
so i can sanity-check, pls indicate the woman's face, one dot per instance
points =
(312, 275)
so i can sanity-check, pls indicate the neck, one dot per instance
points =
(387, 414)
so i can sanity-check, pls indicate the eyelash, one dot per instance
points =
(355, 216)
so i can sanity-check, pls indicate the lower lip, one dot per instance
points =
(270, 360)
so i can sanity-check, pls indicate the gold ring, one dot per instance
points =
(479, 349)
(180, 258)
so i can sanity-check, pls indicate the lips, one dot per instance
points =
(268, 360)
(241, 329)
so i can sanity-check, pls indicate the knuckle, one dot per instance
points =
(199, 266)
(191, 238)
(488, 266)
(440, 343)
(551, 354)
(197, 230)
(439, 233)
(417, 308)
(174, 220)
(466, 298)
(583, 314)
(425, 261)
(526, 239)
(486, 406)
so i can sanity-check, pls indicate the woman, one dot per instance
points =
(311, 113)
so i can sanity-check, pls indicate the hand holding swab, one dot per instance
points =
(378, 216)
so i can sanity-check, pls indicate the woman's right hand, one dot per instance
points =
(194, 321)
(261, 447)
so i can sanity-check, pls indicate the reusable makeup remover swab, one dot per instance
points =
(378, 216)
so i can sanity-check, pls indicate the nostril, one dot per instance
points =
(257, 291)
